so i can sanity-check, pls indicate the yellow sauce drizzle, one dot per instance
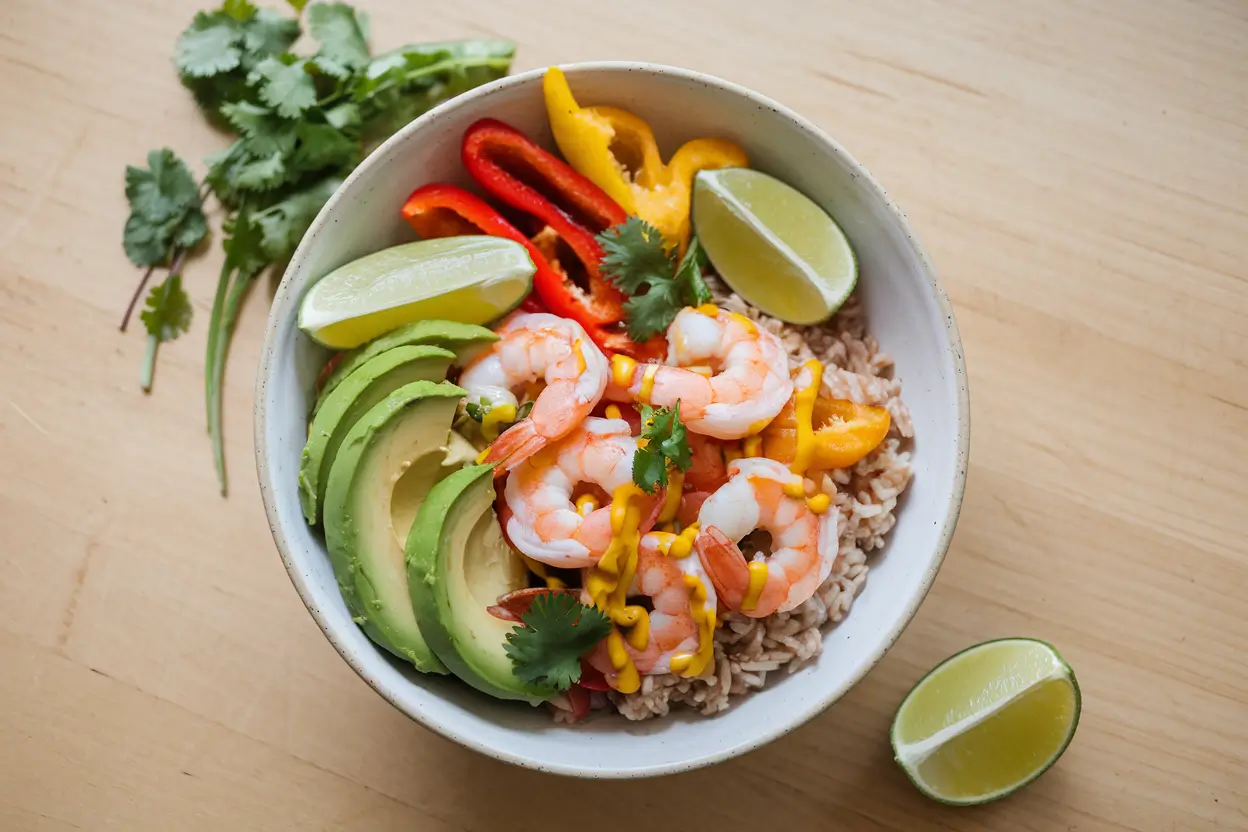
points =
(758, 427)
(795, 489)
(671, 502)
(613, 412)
(758, 579)
(622, 370)
(586, 504)
(495, 418)
(647, 383)
(608, 583)
(481, 457)
(578, 348)
(691, 665)
(752, 446)
(682, 544)
(803, 411)
(819, 503)
(710, 310)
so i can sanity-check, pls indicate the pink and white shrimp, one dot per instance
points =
(537, 346)
(545, 523)
(803, 542)
(745, 385)
(661, 577)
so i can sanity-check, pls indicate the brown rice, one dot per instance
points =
(748, 649)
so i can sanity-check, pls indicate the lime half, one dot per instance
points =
(987, 721)
(773, 245)
(472, 280)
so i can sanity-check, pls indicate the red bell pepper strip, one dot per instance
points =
(440, 210)
(516, 171)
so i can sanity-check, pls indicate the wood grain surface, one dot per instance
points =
(1079, 172)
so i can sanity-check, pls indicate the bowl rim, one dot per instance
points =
(823, 699)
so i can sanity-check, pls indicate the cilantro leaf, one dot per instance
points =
(167, 313)
(476, 412)
(297, 5)
(336, 28)
(162, 190)
(166, 316)
(666, 444)
(693, 288)
(266, 34)
(209, 46)
(282, 225)
(556, 631)
(633, 255)
(322, 146)
(284, 84)
(650, 314)
(164, 209)
(240, 10)
(261, 174)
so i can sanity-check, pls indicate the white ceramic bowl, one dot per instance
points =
(906, 310)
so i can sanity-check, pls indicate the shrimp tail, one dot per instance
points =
(514, 445)
(724, 564)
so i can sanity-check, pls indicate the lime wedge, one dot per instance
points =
(773, 245)
(987, 721)
(472, 280)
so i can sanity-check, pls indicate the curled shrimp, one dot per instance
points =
(545, 523)
(661, 577)
(536, 346)
(745, 383)
(803, 542)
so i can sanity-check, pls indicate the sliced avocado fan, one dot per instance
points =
(451, 335)
(358, 393)
(458, 564)
(381, 474)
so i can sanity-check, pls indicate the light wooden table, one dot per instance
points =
(1079, 172)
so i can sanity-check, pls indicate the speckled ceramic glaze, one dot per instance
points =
(907, 311)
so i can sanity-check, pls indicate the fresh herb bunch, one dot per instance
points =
(635, 260)
(665, 444)
(557, 630)
(302, 124)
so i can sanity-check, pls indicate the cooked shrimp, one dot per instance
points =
(803, 541)
(708, 469)
(545, 524)
(537, 346)
(674, 631)
(745, 384)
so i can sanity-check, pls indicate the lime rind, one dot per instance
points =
(910, 756)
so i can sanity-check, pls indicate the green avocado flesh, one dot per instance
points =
(359, 392)
(381, 474)
(458, 565)
(451, 335)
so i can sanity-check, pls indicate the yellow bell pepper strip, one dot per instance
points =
(839, 434)
(617, 151)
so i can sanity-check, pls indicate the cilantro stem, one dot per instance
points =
(232, 306)
(214, 336)
(149, 363)
(134, 299)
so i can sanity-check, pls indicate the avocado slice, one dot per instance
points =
(450, 335)
(457, 565)
(379, 478)
(359, 392)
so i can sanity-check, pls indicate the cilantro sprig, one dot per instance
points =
(301, 124)
(166, 221)
(666, 445)
(636, 261)
(546, 648)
